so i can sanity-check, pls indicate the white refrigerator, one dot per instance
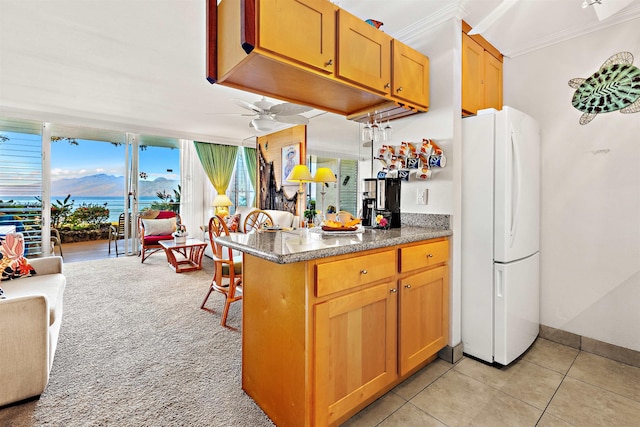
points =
(500, 234)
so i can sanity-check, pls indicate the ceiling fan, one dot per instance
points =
(267, 114)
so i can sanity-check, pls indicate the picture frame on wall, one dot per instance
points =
(290, 159)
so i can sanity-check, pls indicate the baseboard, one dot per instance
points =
(601, 348)
(451, 354)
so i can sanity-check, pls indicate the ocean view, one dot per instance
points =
(114, 204)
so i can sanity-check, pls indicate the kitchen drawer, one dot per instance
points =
(424, 255)
(336, 276)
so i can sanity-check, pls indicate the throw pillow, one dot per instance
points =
(233, 222)
(13, 264)
(159, 227)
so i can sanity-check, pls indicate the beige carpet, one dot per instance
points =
(136, 350)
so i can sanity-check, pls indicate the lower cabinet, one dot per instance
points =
(423, 316)
(324, 338)
(356, 353)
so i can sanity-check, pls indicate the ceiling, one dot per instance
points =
(140, 65)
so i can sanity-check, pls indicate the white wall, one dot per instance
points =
(442, 124)
(590, 247)
(437, 124)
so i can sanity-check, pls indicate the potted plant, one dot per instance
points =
(180, 235)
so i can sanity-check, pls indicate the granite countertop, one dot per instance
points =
(285, 247)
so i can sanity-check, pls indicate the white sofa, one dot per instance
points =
(30, 319)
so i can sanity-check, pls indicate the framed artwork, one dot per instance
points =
(290, 158)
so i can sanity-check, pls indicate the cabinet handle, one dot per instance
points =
(393, 290)
(363, 271)
(407, 286)
(429, 255)
(387, 86)
(328, 63)
(399, 89)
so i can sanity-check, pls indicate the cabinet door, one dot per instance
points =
(410, 76)
(300, 30)
(472, 75)
(364, 53)
(492, 82)
(356, 353)
(423, 316)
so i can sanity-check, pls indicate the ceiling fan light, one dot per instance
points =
(263, 124)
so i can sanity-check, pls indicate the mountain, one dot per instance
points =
(108, 186)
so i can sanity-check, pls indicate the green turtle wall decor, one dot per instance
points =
(615, 86)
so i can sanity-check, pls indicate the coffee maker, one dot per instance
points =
(388, 200)
(381, 197)
(369, 197)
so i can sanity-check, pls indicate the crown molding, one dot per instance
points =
(570, 33)
(419, 28)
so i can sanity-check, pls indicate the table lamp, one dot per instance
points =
(324, 175)
(300, 174)
(221, 203)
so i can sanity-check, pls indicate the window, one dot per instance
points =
(241, 191)
(21, 183)
(343, 194)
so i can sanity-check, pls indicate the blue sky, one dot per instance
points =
(92, 157)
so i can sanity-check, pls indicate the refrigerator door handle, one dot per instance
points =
(515, 188)
(499, 284)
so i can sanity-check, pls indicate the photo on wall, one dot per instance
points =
(290, 158)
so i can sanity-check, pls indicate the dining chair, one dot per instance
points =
(227, 276)
(116, 232)
(256, 219)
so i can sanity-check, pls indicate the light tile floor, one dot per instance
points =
(551, 385)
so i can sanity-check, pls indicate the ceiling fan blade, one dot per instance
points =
(232, 114)
(294, 119)
(288, 109)
(248, 106)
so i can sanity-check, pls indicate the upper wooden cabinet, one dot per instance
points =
(312, 22)
(364, 53)
(410, 75)
(492, 81)
(481, 75)
(472, 75)
(311, 52)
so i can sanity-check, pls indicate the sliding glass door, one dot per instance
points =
(81, 181)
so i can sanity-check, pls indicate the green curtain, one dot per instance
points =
(251, 160)
(218, 162)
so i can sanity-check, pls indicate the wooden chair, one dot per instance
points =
(227, 277)
(117, 232)
(149, 243)
(256, 219)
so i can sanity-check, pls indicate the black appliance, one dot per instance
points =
(388, 200)
(369, 197)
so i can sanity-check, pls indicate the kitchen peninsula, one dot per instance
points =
(332, 321)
